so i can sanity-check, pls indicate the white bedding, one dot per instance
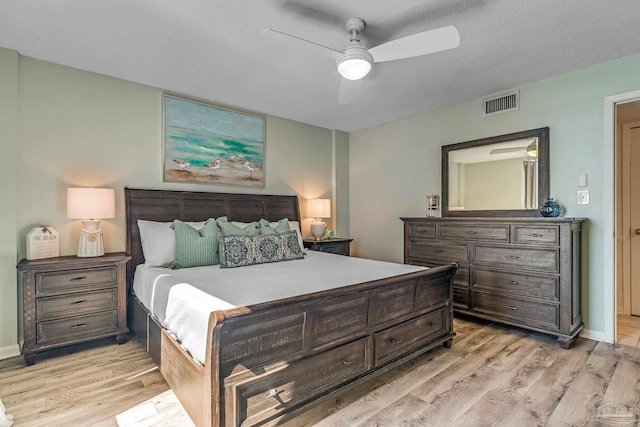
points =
(227, 288)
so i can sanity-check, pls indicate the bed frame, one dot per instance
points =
(269, 362)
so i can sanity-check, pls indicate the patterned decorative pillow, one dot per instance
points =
(266, 228)
(195, 248)
(229, 229)
(238, 251)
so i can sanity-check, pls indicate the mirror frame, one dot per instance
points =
(543, 173)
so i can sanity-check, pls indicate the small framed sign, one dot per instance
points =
(42, 242)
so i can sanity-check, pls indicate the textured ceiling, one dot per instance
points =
(213, 49)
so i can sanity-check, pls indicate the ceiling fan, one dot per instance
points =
(356, 61)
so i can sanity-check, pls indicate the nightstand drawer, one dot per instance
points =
(75, 304)
(71, 280)
(335, 248)
(77, 327)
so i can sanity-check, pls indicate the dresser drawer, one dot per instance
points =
(398, 340)
(474, 232)
(438, 252)
(71, 280)
(546, 315)
(267, 396)
(77, 327)
(528, 284)
(542, 235)
(75, 304)
(338, 318)
(538, 259)
(391, 302)
(422, 231)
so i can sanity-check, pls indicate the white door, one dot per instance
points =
(634, 188)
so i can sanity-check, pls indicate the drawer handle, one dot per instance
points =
(512, 256)
(470, 232)
(512, 282)
(79, 325)
(437, 250)
(346, 362)
(432, 324)
(537, 235)
(79, 302)
(274, 392)
(78, 278)
(512, 307)
(394, 341)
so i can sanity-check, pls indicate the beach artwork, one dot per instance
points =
(212, 145)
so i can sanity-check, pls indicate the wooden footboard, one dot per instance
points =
(269, 362)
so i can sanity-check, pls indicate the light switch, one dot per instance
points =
(582, 181)
(583, 197)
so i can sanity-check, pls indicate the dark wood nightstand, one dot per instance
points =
(336, 245)
(69, 300)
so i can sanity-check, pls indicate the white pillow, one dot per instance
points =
(159, 241)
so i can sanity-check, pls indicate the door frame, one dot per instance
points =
(609, 210)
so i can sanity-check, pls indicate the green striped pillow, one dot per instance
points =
(195, 248)
(229, 229)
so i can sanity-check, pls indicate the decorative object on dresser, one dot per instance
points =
(42, 242)
(68, 300)
(519, 271)
(90, 205)
(432, 205)
(337, 245)
(318, 209)
(551, 209)
(267, 362)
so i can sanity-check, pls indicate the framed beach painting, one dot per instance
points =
(212, 145)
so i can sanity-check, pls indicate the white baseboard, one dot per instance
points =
(592, 335)
(9, 351)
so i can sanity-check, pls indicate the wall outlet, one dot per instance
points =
(583, 197)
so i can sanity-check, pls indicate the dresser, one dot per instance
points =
(518, 271)
(68, 300)
(338, 246)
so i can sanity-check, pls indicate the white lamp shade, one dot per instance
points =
(319, 208)
(91, 203)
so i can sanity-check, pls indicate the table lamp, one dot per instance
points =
(318, 208)
(90, 205)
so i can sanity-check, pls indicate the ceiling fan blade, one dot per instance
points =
(417, 44)
(349, 91)
(294, 42)
(507, 150)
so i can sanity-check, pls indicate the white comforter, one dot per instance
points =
(182, 300)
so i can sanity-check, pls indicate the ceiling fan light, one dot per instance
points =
(355, 63)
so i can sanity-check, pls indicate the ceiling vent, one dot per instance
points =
(501, 103)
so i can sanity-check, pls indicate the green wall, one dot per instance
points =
(62, 127)
(395, 165)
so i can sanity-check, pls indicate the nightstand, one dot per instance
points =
(336, 245)
(69, 300)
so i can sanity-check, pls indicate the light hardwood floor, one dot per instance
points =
(628, 330)
(492, 376)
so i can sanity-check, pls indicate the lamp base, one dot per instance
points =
(90, 244)
(318, 229)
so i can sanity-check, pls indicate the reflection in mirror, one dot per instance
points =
(497, 176)
(506, 175)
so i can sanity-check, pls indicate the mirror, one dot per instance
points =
(506, 175)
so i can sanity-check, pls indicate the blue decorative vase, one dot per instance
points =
(551, 208)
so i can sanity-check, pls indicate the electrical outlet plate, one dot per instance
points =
(583, 197)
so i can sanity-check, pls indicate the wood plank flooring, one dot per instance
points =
(628, 330)
(493, 375)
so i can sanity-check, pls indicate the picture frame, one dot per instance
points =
(207, 144)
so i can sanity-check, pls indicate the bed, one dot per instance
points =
(266, 359)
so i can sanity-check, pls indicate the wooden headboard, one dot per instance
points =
(165, 206)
